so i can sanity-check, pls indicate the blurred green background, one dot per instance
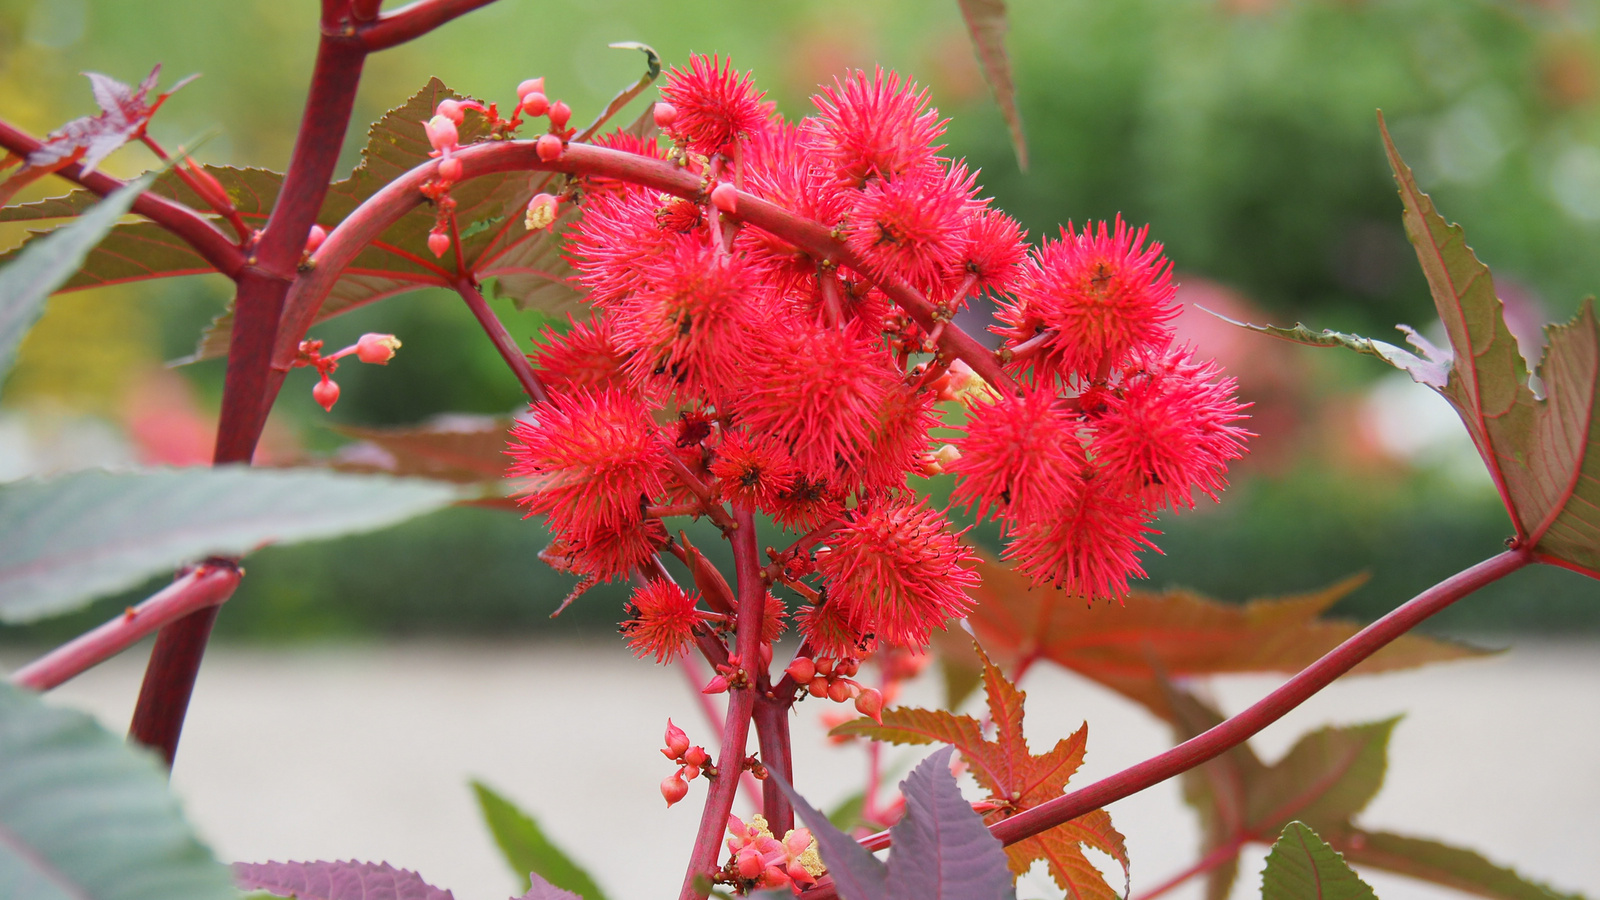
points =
(1243, 131)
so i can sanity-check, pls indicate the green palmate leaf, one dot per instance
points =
(34, 273)
(1442, 864)
(526, 848)
(85, 816)
(986, 22)
(1302, 867)
(76, 537)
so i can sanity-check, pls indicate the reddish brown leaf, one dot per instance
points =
(986, 22)
(1015, 778)
(124, 113)
(458, 448)
(1178, 633)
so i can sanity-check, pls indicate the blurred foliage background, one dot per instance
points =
(1243, 131)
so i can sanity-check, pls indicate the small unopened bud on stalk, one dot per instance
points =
(535, 104)
(870, 703)
(451, 109)
(802, 670)
(530, 86)
(442, 134)
(716, 685)
(376, 348)
(542, 212)
(315, 238)
(673, 788)
(749, 864)
(560, 114)
(326, 393)
(665, 114)
(677, 742)
(438, 243)
(726, 197)
(548, 147)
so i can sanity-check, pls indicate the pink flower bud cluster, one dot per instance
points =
(373, 348)
(691, 762)
(758, 860)
(831, 679)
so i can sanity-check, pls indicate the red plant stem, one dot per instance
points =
(247, 390)
(1236, 730)
(219, 202)
(412, 21)
(206, 585)
(815, 536)
(195, 229)
(503, 341)
(772, 734)
(1224, 852)
(403, 194)
(702, 493)
(741, 701)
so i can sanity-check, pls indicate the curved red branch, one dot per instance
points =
(195, 229)
(412, 21)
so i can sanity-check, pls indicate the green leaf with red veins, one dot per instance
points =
(1303, 867)
(1016, 779)
(1441, 864)
(986, 22)
(1537, 449)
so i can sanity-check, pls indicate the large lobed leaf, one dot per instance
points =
(1537, 449)
(939, 850)
(1324, 781)
(528, 851)
(1302, 867)
(1016, 779)
(1173, 633)
(85, 816)
(33, 273)
(72, 538)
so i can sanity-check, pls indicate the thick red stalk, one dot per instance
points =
(772, 735)
(741, 701)
(1221, 854)
(1240, 728)
(412, 21)
(206, 585)
(195, 229)
(247, 392)
(502, 339)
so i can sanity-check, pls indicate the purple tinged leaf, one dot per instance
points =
(986, 22)
(346, 880)
(543, 890)
(856, 873)
(942, 850)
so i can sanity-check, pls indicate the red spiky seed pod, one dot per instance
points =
(1021, 456)
(664, 621)
(753, 470)
(878, 128)
(1090, 545)
(715, 105)
(898, 571)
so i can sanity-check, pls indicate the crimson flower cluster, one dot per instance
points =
(724, 365)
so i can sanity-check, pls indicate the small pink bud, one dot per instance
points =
(315, 238)
(560, 114)
(326, 393)
(802, 670)
(870, 703)
(450, 169)
(673, 788)
(839, 691)
(766, 656)
(665, 114)
(819, 686)
(377, 348)
(946, 455)
(824, 667)
(535, 104)
(847, 666)
(749, 864)
(696, 756)
(677, 741)
(438, 243)
(451, 109)
(726, 197)
(716, 685)
(774, 877)
(542, 212)
(531, 86)
(799, 874)
(549, 147)
(442, 133)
